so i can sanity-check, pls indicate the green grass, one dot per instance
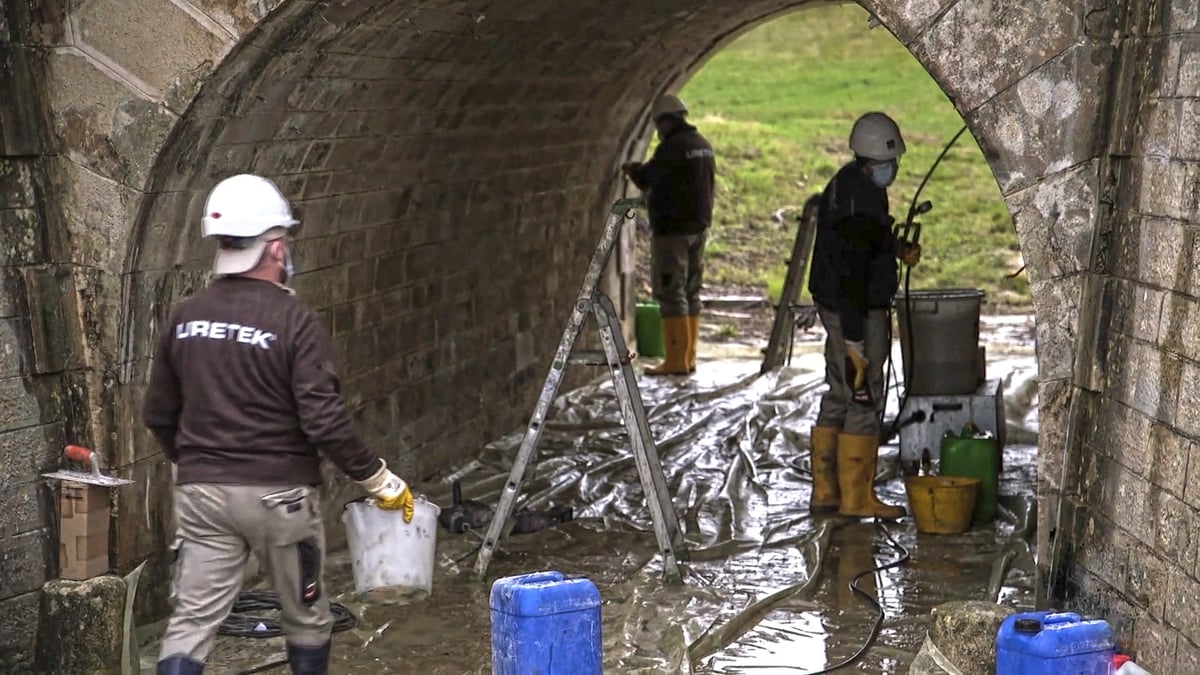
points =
(778, 105)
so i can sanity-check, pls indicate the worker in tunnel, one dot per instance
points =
(243, 398)
(853, 280)
(679, 182)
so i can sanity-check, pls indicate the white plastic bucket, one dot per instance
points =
(386, 552)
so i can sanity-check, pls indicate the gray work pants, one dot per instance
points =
(837, 408)
(677, 271)
(217, 528)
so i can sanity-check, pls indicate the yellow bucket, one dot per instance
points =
(942, 504)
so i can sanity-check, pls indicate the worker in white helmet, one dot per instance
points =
(679, 182)
(243, 395)
(853, 281)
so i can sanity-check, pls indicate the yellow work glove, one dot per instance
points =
(910, 254)
(856, 373)
(390, 492)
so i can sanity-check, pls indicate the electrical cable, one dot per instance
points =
(880, 615)
(239, 623)
(908, 365)
(877, 624)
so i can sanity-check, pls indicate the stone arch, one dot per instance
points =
(236, 120)
(452, 160)
(451, 176)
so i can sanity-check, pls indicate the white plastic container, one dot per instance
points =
(388, 554)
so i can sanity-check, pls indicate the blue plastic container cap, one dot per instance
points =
(546, 624)
(1054, 643)
(543, 594)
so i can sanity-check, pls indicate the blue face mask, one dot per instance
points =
(883, 174)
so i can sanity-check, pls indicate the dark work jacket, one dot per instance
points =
(854, 267)
(679, 182)
(244, 389)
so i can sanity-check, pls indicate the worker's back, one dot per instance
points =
(680, 199)
(231, 348)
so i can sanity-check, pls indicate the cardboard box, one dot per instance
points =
(83, 531)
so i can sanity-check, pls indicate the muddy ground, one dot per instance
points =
(733, 446)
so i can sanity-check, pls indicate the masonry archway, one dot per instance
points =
(451, 160)
(452, 164)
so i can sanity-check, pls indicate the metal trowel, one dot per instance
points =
(91, 459)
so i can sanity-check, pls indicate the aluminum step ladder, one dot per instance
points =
(616, 356)
(787, 312)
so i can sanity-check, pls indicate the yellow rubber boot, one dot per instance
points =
(675, 337)
(857, 456)
(693, 324)
(824, 444)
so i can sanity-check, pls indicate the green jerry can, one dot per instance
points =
(649, 327)
(973, 454)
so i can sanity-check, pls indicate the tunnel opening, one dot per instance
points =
(779, 131)
(778, 102)
(452, 167)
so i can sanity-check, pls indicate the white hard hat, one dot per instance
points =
(668, 104)
(245, 212)
(877, 136)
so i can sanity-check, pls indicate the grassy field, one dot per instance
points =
(778, 105)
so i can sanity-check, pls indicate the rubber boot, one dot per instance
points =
(179, 665)
(857, 456)
(675, 334)
(309, 660)
(825, 495)
(693, 341)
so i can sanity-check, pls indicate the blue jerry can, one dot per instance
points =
(1054, 643)
(545, 624)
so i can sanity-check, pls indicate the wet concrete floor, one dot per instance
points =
(767, 587)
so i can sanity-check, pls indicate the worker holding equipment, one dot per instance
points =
(243, 394)
(679, 180)
(853, 282)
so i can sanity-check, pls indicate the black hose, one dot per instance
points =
(878, 623)
(908, 363)
(908, 366)
(240, 623)
(912, 207)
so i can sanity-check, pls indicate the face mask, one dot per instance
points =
(288, 270)
(883, 174)
(663, 127)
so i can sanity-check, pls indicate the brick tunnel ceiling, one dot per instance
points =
(431, 119)
(451, 169)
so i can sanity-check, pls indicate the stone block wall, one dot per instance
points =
(1135, 510)
(42, 385)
